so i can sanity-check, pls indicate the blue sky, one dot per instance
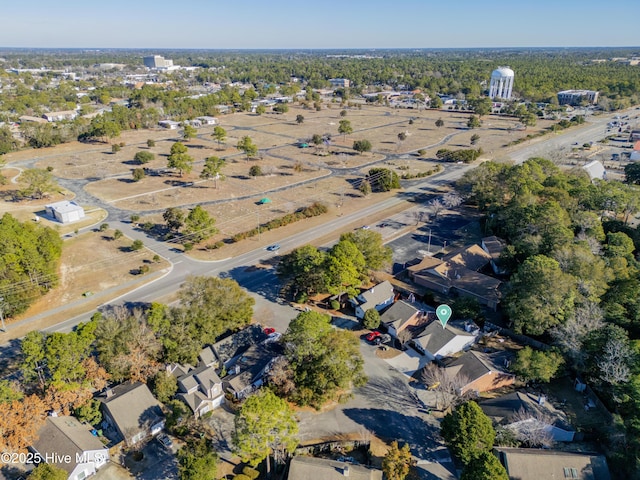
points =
(230, 24)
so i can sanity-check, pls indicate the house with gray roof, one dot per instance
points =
(402, 315)
(305, 468)
(481, 372)
(538, 464)
(510, 411)
(494, 246)
(247, 372)
(201, 389)
(133, 411)
(66, 443)
(436, 342)
(230, 348)
(378, 297)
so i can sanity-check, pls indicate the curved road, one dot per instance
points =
(183, 266)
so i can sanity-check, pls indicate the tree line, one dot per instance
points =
(574, 276)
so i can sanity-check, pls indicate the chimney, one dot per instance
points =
(541, 399)
(345, 470)
(109, 393)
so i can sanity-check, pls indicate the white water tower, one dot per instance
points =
(501, 83)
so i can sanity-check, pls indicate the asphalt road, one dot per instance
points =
(263, 285)
(256, 282)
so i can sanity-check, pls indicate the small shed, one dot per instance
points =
(264, 200)
(65, 211)
(595, 170)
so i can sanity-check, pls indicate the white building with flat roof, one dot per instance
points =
(575, 97)
(157, 61)
(65, 211)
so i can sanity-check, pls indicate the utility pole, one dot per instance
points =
(259, 232)
(4, 328)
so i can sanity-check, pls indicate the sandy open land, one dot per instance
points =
(294, 178)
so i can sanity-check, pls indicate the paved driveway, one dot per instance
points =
(408, 362)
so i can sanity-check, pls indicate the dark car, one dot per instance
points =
(165, 440)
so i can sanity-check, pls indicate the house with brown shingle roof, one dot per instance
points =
(447, 277)
(481, 371)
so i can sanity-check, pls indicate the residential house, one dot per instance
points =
(65, 211)
(170, 124)
(535, 464)
(502, 411)
(378, 297)
(436, 342)
(59, 116)
(481, 372)
(494, 246)
(402, 315)
(473, 257)
(206, 120)
(247, 371)
(230, 348)
(133, 411)
(449, 277)
(200, 388)
(69, 445)
(305, 468)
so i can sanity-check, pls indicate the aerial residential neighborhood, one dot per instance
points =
(298, 263)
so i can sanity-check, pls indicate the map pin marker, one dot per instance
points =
(443, 312)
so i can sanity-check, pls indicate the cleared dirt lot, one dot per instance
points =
(329, 174)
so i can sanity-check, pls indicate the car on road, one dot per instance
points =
(165, 441)
(383, 224)
(371, 337)
(365, 227)
(274, 247)
(269, 330)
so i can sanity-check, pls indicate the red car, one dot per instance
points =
(373, 335)
(269, 331)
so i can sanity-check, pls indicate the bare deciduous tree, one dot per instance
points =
(404, 336)
(614, 363)
(281, 377)
(448, 388)
(420, 216)
(570, 335)
(436, 207)
(452, 199)
(532, 428)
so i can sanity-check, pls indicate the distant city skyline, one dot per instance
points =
(331, 24)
